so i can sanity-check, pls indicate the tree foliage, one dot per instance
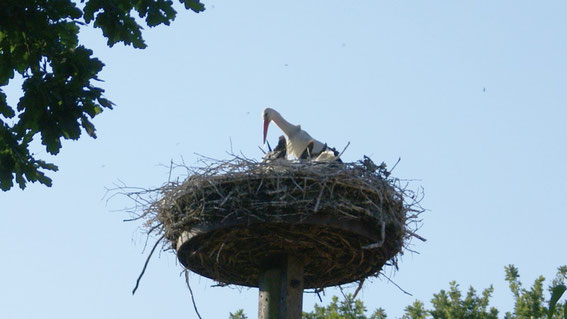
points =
(529, 303)
(238, 315)
(39, 41)
(415, 311)
(451, 305)
(348, 308)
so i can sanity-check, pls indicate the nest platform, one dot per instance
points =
(232, 220)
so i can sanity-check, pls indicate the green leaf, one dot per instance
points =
(47, 166)
(5, 109)
(44, 179)
(6, 71)
(104, 102)
(7, 164)
(556, 293)
(89, 127)
(21, 181)
(194, 5)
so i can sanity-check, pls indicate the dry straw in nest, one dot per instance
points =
(230, 219)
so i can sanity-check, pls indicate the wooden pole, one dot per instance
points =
(281, 290)
(292, 289)
(270, 294)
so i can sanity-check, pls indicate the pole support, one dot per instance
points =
(281, 290)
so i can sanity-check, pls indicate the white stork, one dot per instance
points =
(297, 139)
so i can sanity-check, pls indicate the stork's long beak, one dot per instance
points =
(266, 123)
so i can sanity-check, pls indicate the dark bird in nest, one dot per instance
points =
(328, 154)
(299, 142)
(279, 152)
(370, 166)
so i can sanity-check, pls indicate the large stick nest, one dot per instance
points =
(230, 220)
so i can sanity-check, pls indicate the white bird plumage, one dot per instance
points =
(297, 139)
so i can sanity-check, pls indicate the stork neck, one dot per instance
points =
(286, 126)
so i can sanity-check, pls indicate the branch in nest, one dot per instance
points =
(395, 284)
(360, 284)
(146, 264)
(415, 235)
(347, 301)
(344, 149)
(191, 292)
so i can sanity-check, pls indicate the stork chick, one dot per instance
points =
(280, 152)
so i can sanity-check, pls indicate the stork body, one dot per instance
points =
(297, 139)
(328, 154)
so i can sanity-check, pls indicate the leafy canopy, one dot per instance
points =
(529, 303)
(39, 41)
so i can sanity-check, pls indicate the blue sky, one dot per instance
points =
(471, 95)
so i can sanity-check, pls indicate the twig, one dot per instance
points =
(395, 284)
(170, 169)
(317, 292)
(415, 235)
(191, 292)
(218, 253)
(399, 159)
(360, 283)
(344, 149)
(319, 197)
(206, 157)
(148, 233)
(146, 264)
(346, 300)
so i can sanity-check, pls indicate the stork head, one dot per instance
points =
(267, 116)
